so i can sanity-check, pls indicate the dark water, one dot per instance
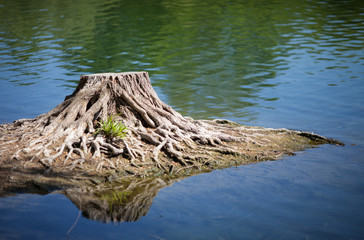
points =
(292, 64)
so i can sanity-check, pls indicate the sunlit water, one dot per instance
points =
(292, 64)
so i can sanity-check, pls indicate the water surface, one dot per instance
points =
(296, 64)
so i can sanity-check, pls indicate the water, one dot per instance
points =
(296, 64)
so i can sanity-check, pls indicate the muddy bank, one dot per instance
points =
(24, 176)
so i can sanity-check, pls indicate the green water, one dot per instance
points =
(293, 64)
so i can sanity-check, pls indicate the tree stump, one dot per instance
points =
(159, 139)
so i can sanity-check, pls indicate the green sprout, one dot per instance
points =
(112, 128)
(115, 198)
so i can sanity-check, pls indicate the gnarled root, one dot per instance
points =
(158, 136)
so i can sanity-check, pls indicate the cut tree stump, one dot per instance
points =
(159, 139)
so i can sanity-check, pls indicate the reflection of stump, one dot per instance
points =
(159, 138)
(127, 202)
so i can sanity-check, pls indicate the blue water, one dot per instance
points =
(296, 64)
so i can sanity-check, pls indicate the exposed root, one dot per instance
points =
(158, 136)
(156, 152)
(129, 151)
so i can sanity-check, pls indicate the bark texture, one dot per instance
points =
(159, 139)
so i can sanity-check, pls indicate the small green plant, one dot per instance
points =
(116, 198)
(112, 128)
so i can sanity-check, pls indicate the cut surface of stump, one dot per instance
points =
(159, 140)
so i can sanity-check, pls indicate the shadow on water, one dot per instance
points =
(100, 198)
(126, 201)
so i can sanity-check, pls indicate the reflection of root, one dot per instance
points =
(127, 202)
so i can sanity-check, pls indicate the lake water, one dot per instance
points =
(293, 64)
